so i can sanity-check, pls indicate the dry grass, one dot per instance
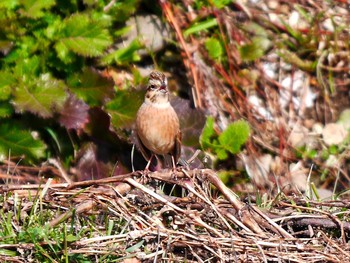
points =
(190, 215)
(133, 216)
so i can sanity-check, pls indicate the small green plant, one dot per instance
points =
(51, 85)
(228, 142)
(214, 48)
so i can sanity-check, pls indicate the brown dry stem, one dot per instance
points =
(193, 227)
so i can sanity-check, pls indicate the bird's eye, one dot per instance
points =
(152, 87)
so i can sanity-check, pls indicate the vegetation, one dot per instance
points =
(269, 82)
(52, 81)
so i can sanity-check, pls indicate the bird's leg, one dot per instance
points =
(174, 167)
(149, 163)
(173, 162)
(144, 176)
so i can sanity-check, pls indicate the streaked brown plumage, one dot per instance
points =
(157, 124)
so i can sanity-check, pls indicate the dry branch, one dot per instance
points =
(196, 225)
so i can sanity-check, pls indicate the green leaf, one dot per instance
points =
(304, 13)
(71, 238)
(200, 26)
(254, 50)
(7, 252)
(221, 3)
(123, 107)
(214, 48)
(27, 68)
(53, 27)
(34, 8)
(84, 36)
(40, 96)
(292, 58)
(124, 9)
(207, 133)
(295, 33)
(312, 154)
(9, 4)
(221, 153)
(124, 55)
(122, 31)
(225, 176)
(17, 142)
(64, 53)
(5, 109)
(333, 149)
(6, 81)
(91, 87)
(134, 247)
(234, 136)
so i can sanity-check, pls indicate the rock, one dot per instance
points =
(324, 194)
(317, 128)
(344, 119)
(258, 104)
(258, 168)
(334, 134)
(272, 4)
(298, 174)
(151, 30)
(297, 137)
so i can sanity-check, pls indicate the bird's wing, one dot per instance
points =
(177, 147)
(142, 148)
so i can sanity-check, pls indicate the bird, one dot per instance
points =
(157, 124)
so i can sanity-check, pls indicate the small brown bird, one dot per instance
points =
(157, 124)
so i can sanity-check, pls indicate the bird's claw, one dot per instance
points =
(145, 176)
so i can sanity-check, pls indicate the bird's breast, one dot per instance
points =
(157, 127)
